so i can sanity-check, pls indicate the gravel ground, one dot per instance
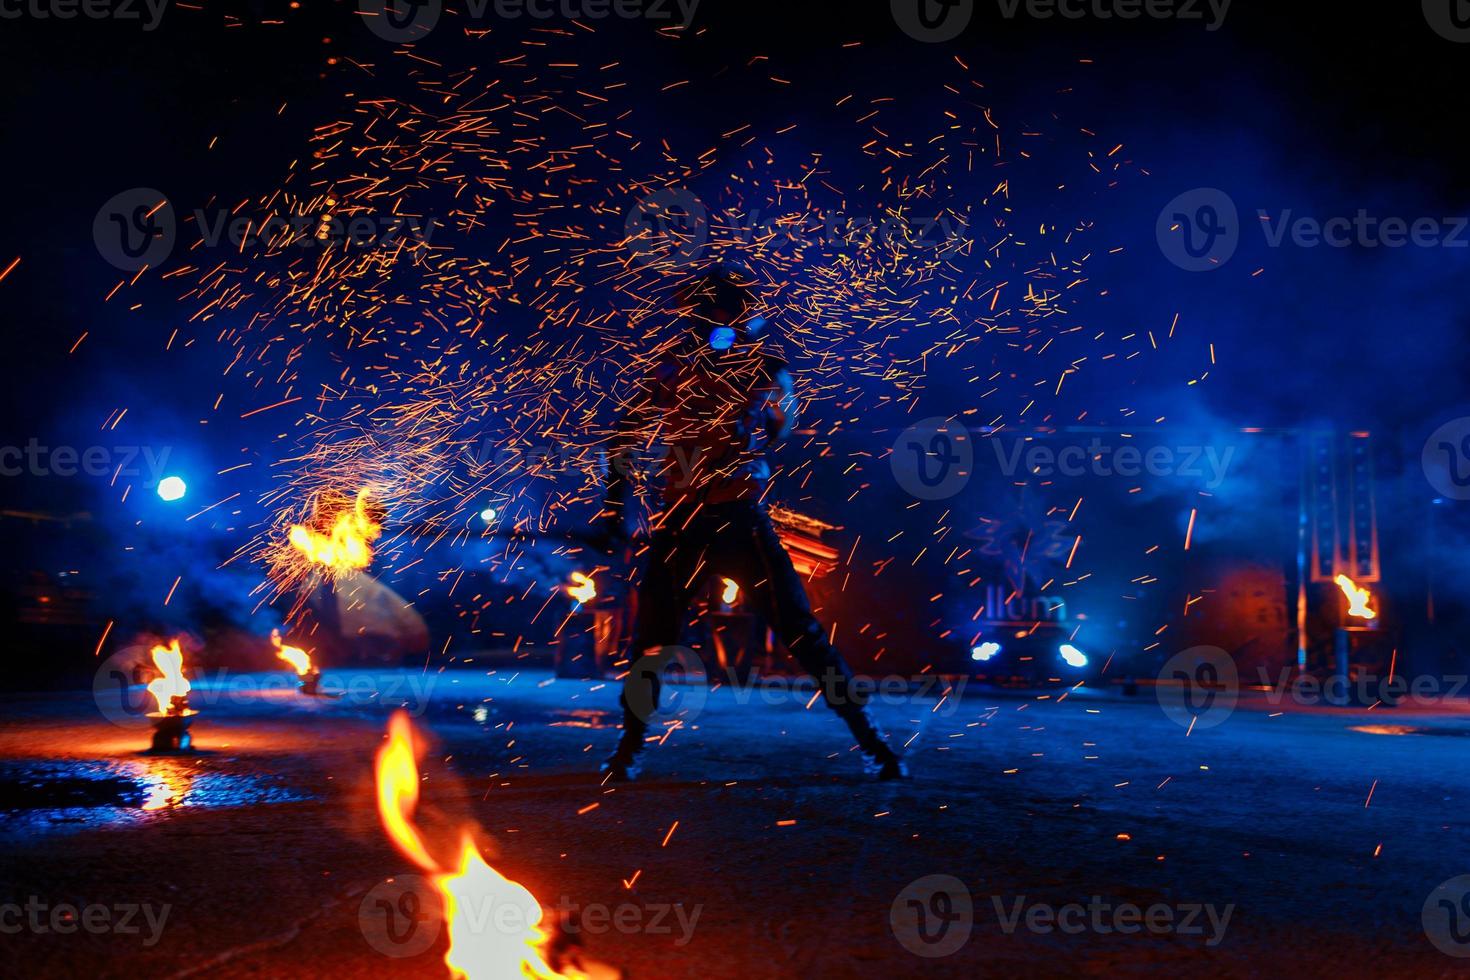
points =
(753, 846)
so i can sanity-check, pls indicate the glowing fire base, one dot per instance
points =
(171, 730)
(310, 684)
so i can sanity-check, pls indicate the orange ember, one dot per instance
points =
(483, 941)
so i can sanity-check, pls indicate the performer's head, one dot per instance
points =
(721, 307)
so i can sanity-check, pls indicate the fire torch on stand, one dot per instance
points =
(300, 661)
(171, 690)
(1359, 628)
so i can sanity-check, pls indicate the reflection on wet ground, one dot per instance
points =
(49, 796)
(1407, 730)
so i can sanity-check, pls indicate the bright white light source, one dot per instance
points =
(984, 651)
(172, 488)
(1073, 656)
(487, 515)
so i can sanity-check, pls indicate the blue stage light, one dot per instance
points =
(1073, 656)
(487, 515)
(984, 652)
(722, 338)
(172, 488)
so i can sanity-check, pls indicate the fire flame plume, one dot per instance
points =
(581, 588)
(1359, 598)
(298, 658)
(478, 950)
(348, 547)
(731, 593)
(170, 662)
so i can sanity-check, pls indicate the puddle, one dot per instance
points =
(36, 797)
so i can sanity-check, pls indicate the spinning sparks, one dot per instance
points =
(349, 545)
(1359, 599)
(173, 684)
(581, 588)
(507, 360)
(295, 656)
(481, 945)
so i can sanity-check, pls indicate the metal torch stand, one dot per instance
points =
(171, 730)
(589, 642)
(740, 646)
(1349, 663)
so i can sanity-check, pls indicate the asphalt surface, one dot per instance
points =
(1285, 841)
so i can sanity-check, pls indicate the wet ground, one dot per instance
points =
(1078, 835)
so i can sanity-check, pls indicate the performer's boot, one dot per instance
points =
(879, 759)
(623, 766)
(626, 761)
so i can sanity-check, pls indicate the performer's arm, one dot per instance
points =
(781, 406)
(618, 495)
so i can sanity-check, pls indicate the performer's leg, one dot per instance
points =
(663, 602)
(751, 551)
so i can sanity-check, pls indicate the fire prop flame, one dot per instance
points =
(1359, 599)
(731, 593)
(298, 658)
(348, 547)
(173, 684)
(581, 588)
(477, 949)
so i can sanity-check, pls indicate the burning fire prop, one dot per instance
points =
(731, 593)
(581, 588)
(348, 546)
(300, 662)
(1359, 599)
(471, 890)
(171, 690)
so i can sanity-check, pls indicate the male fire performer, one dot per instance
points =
(719, 400)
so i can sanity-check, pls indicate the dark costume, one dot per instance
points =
(717, 409)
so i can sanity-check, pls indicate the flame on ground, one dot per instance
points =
(349, 545)
(170, 662)
(398, 790)
(298, 658)
(581, 588)
(481, 947)
(1359, 599)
